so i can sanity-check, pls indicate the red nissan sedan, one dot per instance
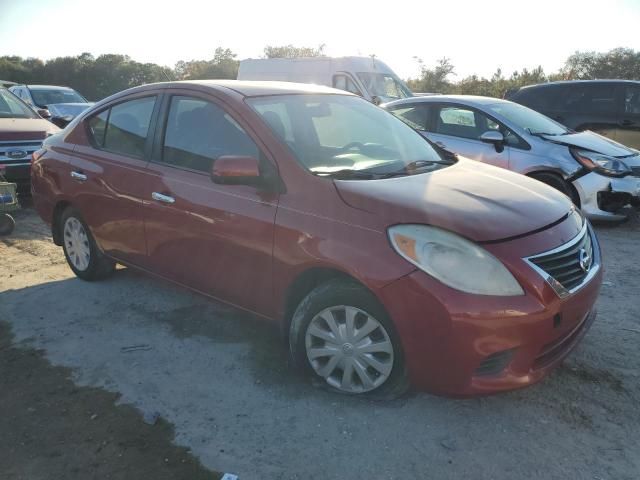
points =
(388, 263)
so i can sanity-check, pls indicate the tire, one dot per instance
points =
(557, 182)
(7, 224)
(349, 368)
(80, 249)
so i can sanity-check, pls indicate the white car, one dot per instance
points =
(600, 176)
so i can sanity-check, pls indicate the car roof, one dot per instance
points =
(573, 82)
(245, 88)
(471, 100)
(250, 88)
(37, 87)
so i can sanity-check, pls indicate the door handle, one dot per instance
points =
(163, 198)
(627, 123)
(441, 145)
(79, 176)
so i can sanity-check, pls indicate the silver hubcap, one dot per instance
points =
(76, 243)
(349, 348)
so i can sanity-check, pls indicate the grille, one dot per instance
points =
(27, 146)
(635, 171)
(568, 267)
(494, 363)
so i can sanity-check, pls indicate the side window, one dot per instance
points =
(198, 132)
(459, 122)
(98, 127)
(540, 98)
(599, 98)
(415, 115)
(632, 100)
(343, 82)
(471, 124)
(128, 126)
(276, 115)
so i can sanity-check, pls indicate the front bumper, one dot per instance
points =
(602, 198)
(459, 344)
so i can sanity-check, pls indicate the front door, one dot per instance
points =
(458, 129)
(108, 176)
(214, 238)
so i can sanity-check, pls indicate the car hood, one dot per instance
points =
(592, 141)
(25, 128)
(67, 109)
(478, 201)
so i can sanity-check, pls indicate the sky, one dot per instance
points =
(477, 36)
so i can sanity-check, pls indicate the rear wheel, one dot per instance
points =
(557, 182)
(80, 249)
(342, 335)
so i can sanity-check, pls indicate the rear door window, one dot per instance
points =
(128, 126)
(414, 115)
(98, 127)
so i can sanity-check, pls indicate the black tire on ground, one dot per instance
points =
(7, 224)
(99, 265)
(344, 292)
(557, 182)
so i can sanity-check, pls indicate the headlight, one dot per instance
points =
(455, 261)
(604, 164)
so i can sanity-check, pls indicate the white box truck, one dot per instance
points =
(365, 76)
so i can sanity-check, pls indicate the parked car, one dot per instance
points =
(62, 103)
(365, 76)
(382, 260)
(21, 133)
(608, 107)
(599, 175)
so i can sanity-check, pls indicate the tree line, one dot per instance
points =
(98, 77)
(619, 63)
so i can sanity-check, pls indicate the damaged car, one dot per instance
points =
(61, 104)
(600, 176)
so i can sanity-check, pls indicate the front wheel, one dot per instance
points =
(342, 335)
(80, 249)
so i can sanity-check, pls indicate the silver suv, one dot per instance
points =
(63, 103)
(598, 174)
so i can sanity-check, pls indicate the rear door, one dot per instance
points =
(458, 128)
(107, 177)
(214, 238)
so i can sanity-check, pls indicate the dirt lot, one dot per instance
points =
(220, 381)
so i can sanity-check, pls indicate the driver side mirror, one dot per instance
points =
(44, 113)
(494, 137)
(236, 170)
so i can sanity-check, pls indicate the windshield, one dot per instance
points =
(338, 134)
(12, 107)
(533, 122)
(384, 85)
(51, 96)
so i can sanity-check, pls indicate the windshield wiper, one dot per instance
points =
(546, 134)
(346, 174)
(412, 168)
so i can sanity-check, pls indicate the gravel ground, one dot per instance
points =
(220, 378)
